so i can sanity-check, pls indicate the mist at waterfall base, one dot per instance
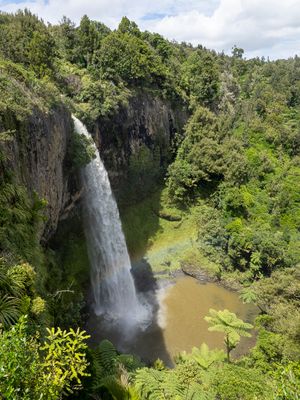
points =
(113, 293)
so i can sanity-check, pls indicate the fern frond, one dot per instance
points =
(172, 388)
(130, 362)
(148, 383)
(152, 384)
(9, 310)
(107, 357)
(111, 385)
(196, 392)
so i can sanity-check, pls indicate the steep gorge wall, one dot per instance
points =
(38, 158)
(136, 143)
(135, 146)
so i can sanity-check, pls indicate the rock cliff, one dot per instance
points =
(136, 143)
(37, 156)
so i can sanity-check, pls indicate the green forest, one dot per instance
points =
(233, 173)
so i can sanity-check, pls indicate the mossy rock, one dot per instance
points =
(168, 216)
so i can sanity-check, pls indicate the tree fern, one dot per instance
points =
(130, 362)
(9, 310)
(132, 394)
(148, 383)
(152, 384)
(117, 390)
(111, 372)
(106, 355)
(172, 388)
(197, 392)
(98, 374)
(233, 327)
(114, 387)
(228, 322)
(204, 357)
(12, 282)
(105, 364)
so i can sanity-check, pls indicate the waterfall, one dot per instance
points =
(113, 290)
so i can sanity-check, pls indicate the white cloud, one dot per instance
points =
(109, 11)
(261, 27)
(269, 27)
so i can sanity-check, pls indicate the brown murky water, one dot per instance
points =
(183, 307)
(178, 323)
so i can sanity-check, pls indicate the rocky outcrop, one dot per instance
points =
(135, 144)
(38, 158)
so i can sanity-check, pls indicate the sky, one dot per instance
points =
(269, 28)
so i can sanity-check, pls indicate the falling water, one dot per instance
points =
(113, 289)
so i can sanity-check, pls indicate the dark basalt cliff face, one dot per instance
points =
(136, 143)
(37, 156)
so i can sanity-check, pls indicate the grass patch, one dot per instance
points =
(193, 260)
(162, 242)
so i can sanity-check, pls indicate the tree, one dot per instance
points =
(41, 53)
(25, 39)
(199, 159)
(126, 56)
(237, 52)
(127, 26)
(228, 323)
(30, 370)
(89, 36)
(200, 77)
(65, 36)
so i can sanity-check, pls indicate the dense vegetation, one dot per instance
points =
(236, 169)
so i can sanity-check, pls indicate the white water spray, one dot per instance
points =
(114, 293)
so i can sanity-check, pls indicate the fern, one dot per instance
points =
(107, 357)
(130, 362)
(204, 357)
(111, 385)
(9, 310)
(196, 392)
(152, 384)
(18, 221)
(104, 364)
(110, 374)
(132, 394)
(97, 376)
(149, 382)
(172, 388)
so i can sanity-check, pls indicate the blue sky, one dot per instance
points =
(269, 28)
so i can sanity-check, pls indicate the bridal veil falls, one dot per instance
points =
(113, 290)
